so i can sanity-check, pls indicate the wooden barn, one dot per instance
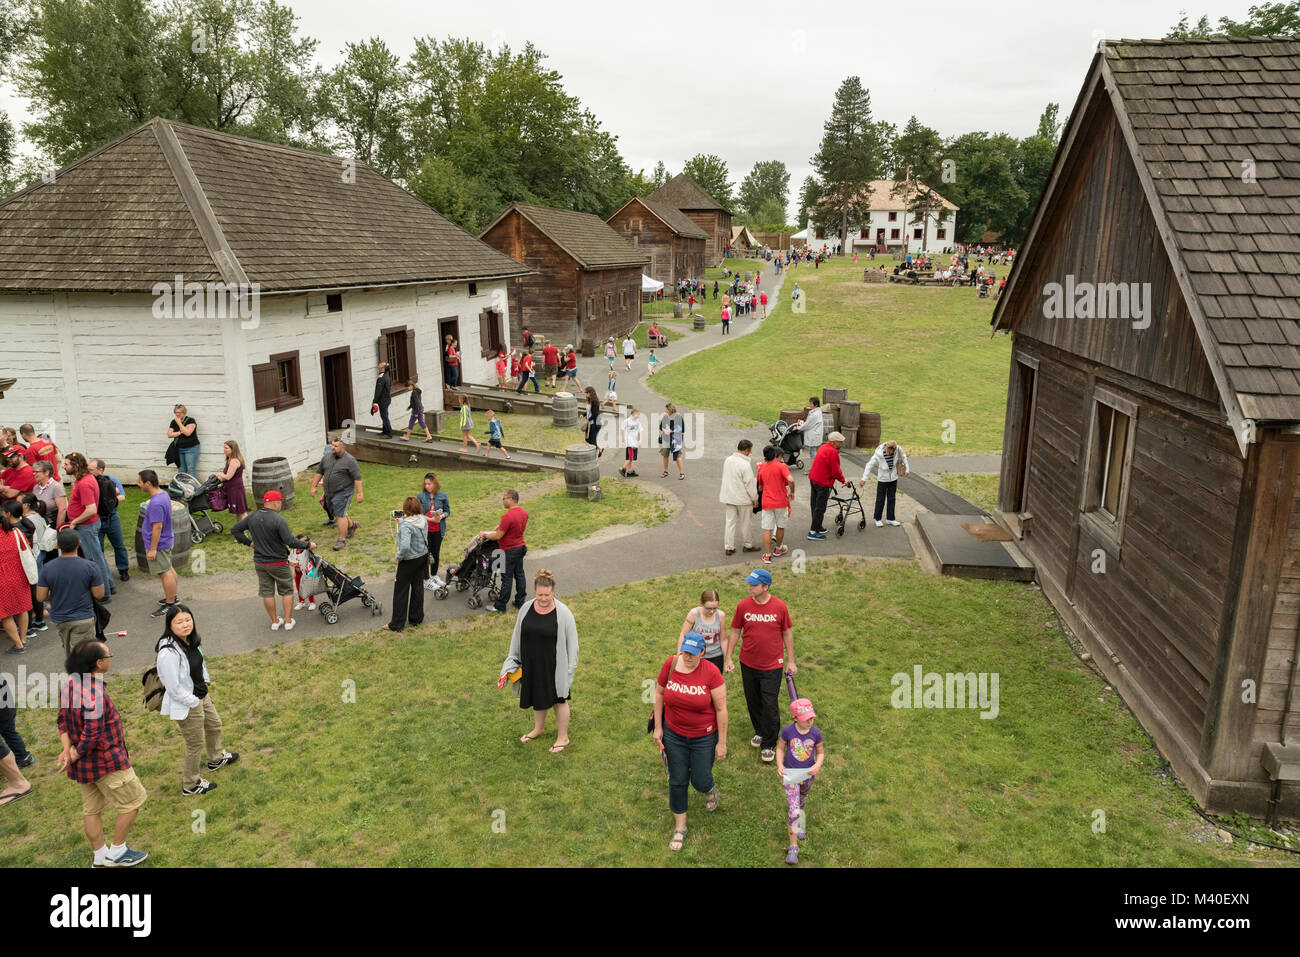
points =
(674, 244)
(1151, 457)
(682, 192)
(120, 287)
(586, 279)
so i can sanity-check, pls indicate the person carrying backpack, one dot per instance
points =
(111, 494)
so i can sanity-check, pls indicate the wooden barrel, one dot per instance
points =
(791, 416)
(581, 471)
(678, 310)
(849, 412)
(850, 436)
(564, 410)
(273, 473)
(698, 324)
(834, 396)
(829, 419)
(180, 529)
(869, 429)
(588, 347)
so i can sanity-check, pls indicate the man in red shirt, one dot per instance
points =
(763, 627)
(550, 363)
(509, 534)
(40, 450)
(823, 475)
(762, 301)
(17, 476)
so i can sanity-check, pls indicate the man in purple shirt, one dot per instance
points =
(158, 538)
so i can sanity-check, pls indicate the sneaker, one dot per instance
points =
(124, 575)
(879, 524)
(160, 610)
(288, 625)
(430, 585)
(767, 559)
(328, 523)
(126, 859)
(340, 545)
(275, 625)
(40, 626)
(892, 522)
(779, 551)
(299, 605)
(752, 548)
(352, 530)
(494, 608)
(227, 757)
(756, 740)
(31, 633)
(28, 761)
(802, 826)
(816, 536)
(202, 787)
(438, 582)
(768, 755)
(792, 854)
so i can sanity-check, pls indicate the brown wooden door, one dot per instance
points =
(448, 327)
(336, 387)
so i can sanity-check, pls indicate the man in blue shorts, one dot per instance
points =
(341, 476)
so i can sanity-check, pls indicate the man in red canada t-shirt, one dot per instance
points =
(17, 476)
(550, 363)
(763, 627)
(40, 450)
(509, 534)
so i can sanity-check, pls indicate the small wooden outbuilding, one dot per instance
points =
(586, 279)
(675, 245)
(682, 192)
(1151, 457)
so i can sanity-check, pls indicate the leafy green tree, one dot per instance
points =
(766, 185)
(809, 193)
(1035, 155)
(848, 159)
(12, 28)
(369, 90)
(710, 173)
(986, 188)
(661, 176)
(292, 105)
(1263, 20)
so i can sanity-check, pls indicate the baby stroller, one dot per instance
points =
(328, 579)
(186, 488)
(789, 443)
(474, 573)
(848, 503)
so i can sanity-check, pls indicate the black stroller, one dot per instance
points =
(328, 579)
(788, 441)
(474, 573)
(848, 503)
(186, 488)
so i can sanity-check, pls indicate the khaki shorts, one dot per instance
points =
(549, 371)
(71, 632)
(774, 518)
(273, 578)
(120, 789)
(162, 562)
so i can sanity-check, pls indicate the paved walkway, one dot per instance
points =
(231, 618)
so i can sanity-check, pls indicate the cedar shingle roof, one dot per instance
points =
(682, 192)
(1200, 117)
(672, 217)
(1203, 113)
(584, 237)
(169, 198)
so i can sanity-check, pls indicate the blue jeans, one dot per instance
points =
(88, 532)
(113, 530)
(453, 375)
(514, 572)
(690, 761)
(189, 460)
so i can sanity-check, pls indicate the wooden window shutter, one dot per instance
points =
(501, 328)
(410, 354)
(485, 332)
(266, 385)
(382, 349)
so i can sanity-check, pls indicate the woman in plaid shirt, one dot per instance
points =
(94, 752)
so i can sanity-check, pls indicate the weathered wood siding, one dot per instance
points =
(672, 257)
(549, 299)
(611, 303)
(717, 226)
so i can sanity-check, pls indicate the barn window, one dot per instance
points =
(609, 302)
(1110, 457)
(894, 234)
(941, 234)
(277, 383)
(491, 332)
(893, 217)
(916, 233)
(397, 347)
(334, 302)
(473, 289)
(622, 299)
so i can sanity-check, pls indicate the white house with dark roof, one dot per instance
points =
(120, 296)
(890, 225)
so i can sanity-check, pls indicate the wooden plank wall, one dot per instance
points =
(717, 225)
(623, 287)
(1279, 656)
(550, 297)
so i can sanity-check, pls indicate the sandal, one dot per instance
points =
(16, 796)
(557, 748)
(665, 475)
(681, 478)
(528, 737)
(678, 838)
(711, 799)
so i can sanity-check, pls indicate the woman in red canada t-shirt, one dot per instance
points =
(690, 725)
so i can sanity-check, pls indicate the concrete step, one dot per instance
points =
(956, 551)
(446, 454)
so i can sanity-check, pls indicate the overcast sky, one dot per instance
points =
(672, 78)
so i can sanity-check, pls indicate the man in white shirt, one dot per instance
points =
(629, 351)
(739, 494)
(812, 427)
(631, 441)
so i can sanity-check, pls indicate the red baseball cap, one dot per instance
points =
(273, 496)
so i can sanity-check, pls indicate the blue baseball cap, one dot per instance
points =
(759, 576)
(693, 643)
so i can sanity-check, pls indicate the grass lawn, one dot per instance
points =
(979, 489)
(475, 498)
(919, 357)
(417, 766)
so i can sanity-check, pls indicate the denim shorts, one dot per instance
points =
(339, 503)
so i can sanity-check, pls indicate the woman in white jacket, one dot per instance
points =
(889, 464)
(545, 646)
(812, 428)
(184, 677)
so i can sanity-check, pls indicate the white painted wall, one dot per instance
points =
(907, 224)
(101, 374)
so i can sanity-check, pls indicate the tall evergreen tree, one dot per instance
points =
(809, 193)
(849, 157)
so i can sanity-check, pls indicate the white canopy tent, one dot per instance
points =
(650, 285)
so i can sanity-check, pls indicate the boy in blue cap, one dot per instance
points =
(765, 631)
